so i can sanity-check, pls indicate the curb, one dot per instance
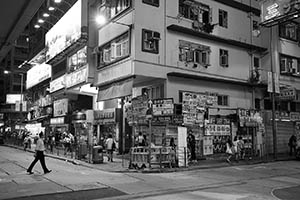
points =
(157, 170)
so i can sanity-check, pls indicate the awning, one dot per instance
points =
(115, 90)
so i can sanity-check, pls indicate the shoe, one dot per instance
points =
(29, 173)
(227, 160)
(48, 171)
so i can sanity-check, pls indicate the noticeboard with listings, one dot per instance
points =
(194, 105)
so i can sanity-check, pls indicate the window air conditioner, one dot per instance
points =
(196, 24)
(113, 47)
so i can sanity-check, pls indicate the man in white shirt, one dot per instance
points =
(39, 155)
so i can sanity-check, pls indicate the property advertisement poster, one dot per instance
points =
(182, 146)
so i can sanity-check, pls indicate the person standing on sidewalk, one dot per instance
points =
(39, 155)
(110, 146)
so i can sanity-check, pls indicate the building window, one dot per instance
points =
(223, 100)
(110, 9)
(152, 2)
(77, 60)
(255, 25)
(289, 31)
(256, 62)
(113, 51)
(223, 58)
(150, 41)
(223, 18)
(195, 11)
(289, 65)
(257, 104)
(194, 53)
(154, 92)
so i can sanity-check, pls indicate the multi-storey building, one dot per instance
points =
(181, 49)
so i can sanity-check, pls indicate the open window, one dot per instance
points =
(194, 53)
(289, 65)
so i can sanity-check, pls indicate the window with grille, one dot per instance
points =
(223, 100)
(289, 30)
(289, 65)
(113, 51)
(223, 18)
(150, 41)
(194, 53)
(223, 58)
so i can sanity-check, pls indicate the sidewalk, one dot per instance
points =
(121, 163)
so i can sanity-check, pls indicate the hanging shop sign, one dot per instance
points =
(57, 120)
(140, 106)
(79, 116)
(44, 101)
(57, 84)
(12, 98)
(274, 10)
(287, 116)
(106, 116)
(67, 31)
(162, 107)
(77, 77)
(38, 74)
(295, 116)
(249, 117)
(60, 107)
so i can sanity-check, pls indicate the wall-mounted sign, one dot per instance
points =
(57, 84)
(60, 107)
(272, 10)
(105, 116)
(79, 116)
(76, 77)
(58, 120)
(13, 98)
(163, 107)
(66, 31)
(37, 74)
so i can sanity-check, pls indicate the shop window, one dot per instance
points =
(152, 2)
(113, 51)
(223, 18)
(194, 53)
(223, 100)
(289, 65)
(110, 9)
(223, 58)
(77, 60)
(150, 41)
(289, 31)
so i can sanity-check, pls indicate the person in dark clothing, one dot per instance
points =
(191, 142)
(292, 144)
(39, 156)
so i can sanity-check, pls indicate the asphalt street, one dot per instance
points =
(274, 180)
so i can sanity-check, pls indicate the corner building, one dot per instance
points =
(204, 55)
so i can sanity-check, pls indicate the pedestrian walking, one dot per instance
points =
(241, 148)
(229, 148)
(235, 151)
(292, 144)
(39, 155)
(191, 142)
(110, 146)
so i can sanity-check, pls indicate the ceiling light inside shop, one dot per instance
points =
(41, 21)
(51, 8)
(57, 1)
(37, 26)
(46, 14)
(100, 19)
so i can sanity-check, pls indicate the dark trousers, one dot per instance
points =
(292, 150)
(39, 157)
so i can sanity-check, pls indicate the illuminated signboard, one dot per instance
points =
(273, 10)
(57, 84)
(66, 31)
(60, 107)
(38, 74)
(77, 77)
(13, 98)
